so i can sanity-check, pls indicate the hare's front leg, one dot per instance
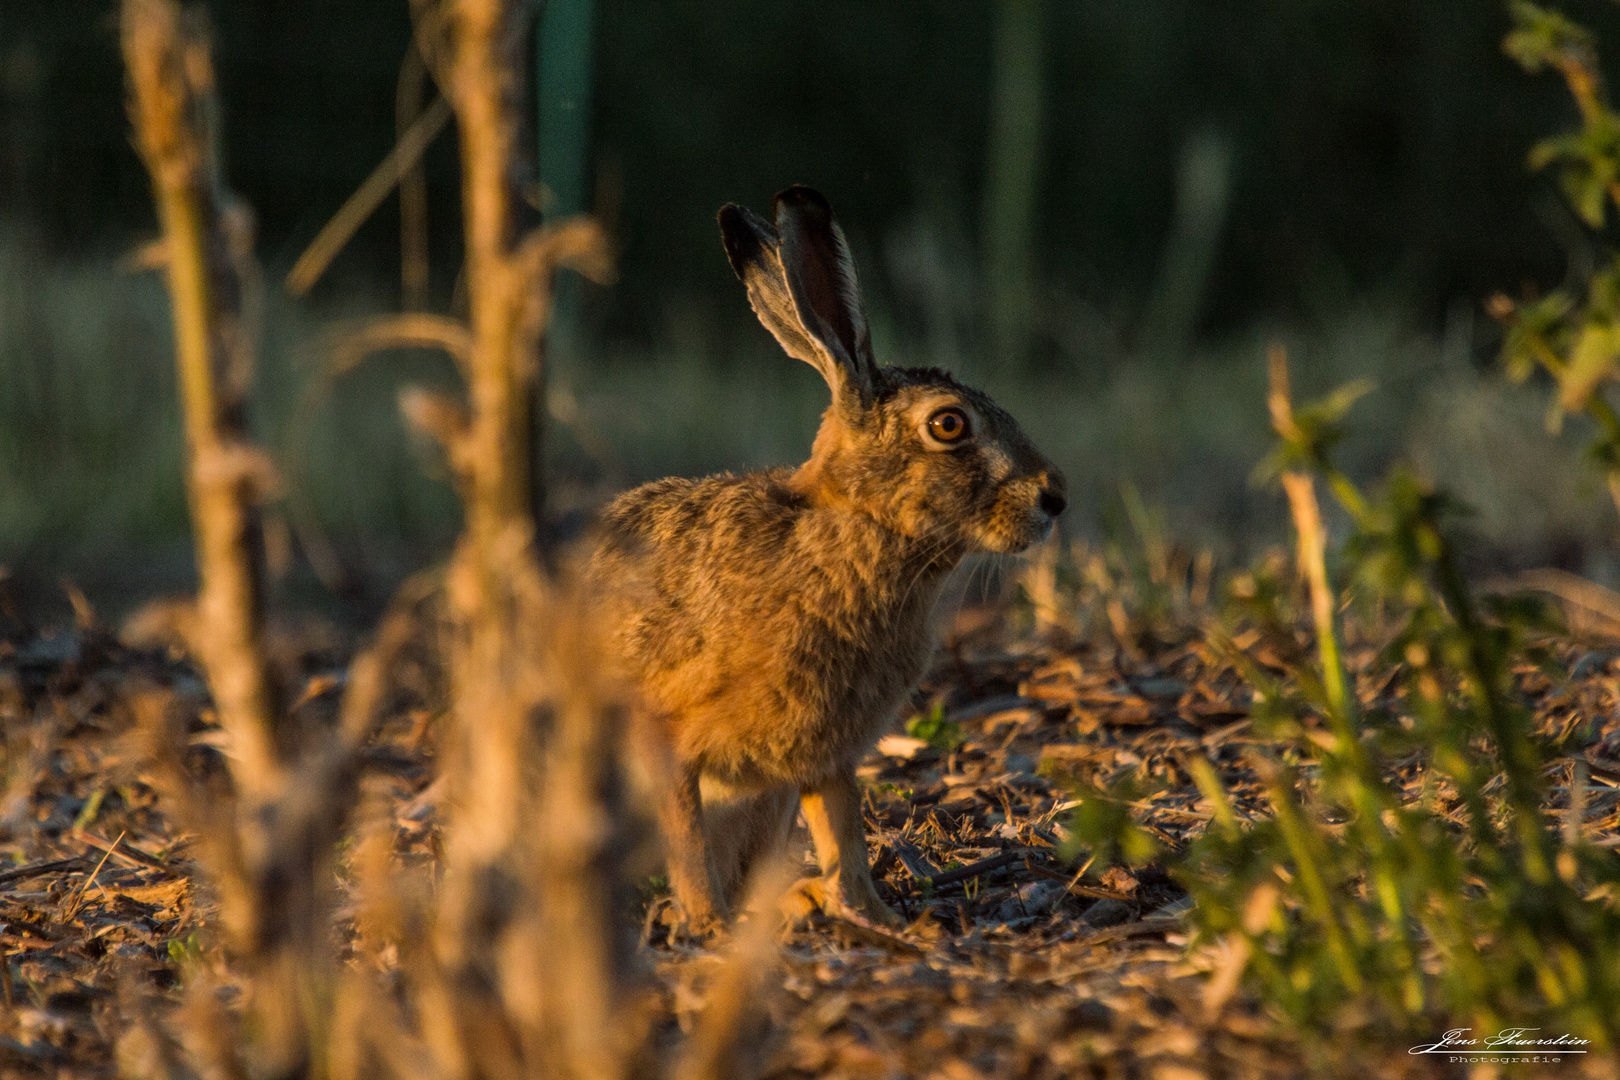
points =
(692, 873)
(833, 812)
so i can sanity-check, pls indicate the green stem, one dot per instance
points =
(1519, 759)
(1292, 824)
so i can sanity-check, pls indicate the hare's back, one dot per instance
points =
(718, 522)
(702, 558)
(695, 571)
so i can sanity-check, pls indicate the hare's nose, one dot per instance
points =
(1052, 502)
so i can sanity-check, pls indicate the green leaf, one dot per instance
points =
(92, 807)
(932, 728)
(1555, 148)
(1319, 429)
(1102, 824)
(1587, 192)
(185, 951)
(1539, 36)
(1336, 403)
(1536, 331)
(1591, 362)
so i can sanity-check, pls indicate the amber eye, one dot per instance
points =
(948, 425)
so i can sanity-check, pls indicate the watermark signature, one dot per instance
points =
(1510, 1045)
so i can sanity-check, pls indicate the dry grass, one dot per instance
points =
(532, 730)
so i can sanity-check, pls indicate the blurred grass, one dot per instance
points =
(90, 441)
(89, 432)
(89, 428)
(1184, 431)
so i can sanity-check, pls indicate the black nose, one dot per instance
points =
(1052, 502)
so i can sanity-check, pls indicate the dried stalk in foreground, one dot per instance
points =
(171, 82)
(499, 607)
(522, 963)
(267, 837)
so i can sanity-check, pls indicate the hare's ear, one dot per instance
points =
(821, 276)
(802, 285)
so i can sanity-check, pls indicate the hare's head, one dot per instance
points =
(912, 447)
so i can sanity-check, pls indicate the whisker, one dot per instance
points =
(967, 586)
(992, 576)
(933, 544)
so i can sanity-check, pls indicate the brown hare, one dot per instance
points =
(779, 618)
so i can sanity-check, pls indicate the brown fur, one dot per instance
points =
(779, 618)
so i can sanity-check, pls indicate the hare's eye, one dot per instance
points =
(948, 425)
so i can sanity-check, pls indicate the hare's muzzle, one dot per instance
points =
(1051, 499)
(1052, 502)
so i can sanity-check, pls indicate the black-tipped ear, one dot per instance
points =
(752, 248)
(755, 251)
(821, 278)
(748, 238)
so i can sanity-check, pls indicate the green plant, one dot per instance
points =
(934, 729)
(185, 951)
(1100, 824)
(1459, 903)
(1575, 340)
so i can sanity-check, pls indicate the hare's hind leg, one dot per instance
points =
(741, 829)
(692, 871)
(833, 812)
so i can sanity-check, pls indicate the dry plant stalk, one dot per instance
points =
(1312, 538)
(413, 195)
(490, 445)
(523, 963)
(503, 369)
(267, 837)
(502, 673)
(402, 162)
(171, 81)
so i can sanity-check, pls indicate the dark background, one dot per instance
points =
(1376, 141)
(1378, 194)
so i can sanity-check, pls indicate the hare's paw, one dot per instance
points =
(803, 899)
(699, 907)
(866, 903)
(812, 894)
(886, 916)
(698, 921)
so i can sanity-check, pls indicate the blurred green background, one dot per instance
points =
(1099, 212)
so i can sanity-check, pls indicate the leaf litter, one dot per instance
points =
(1020, 960)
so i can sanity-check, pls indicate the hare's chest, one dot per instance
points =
(786, 668)
(830, 693)
(860, 689)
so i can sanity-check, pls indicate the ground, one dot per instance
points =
(1020, 961)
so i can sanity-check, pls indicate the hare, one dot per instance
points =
(781, 617)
